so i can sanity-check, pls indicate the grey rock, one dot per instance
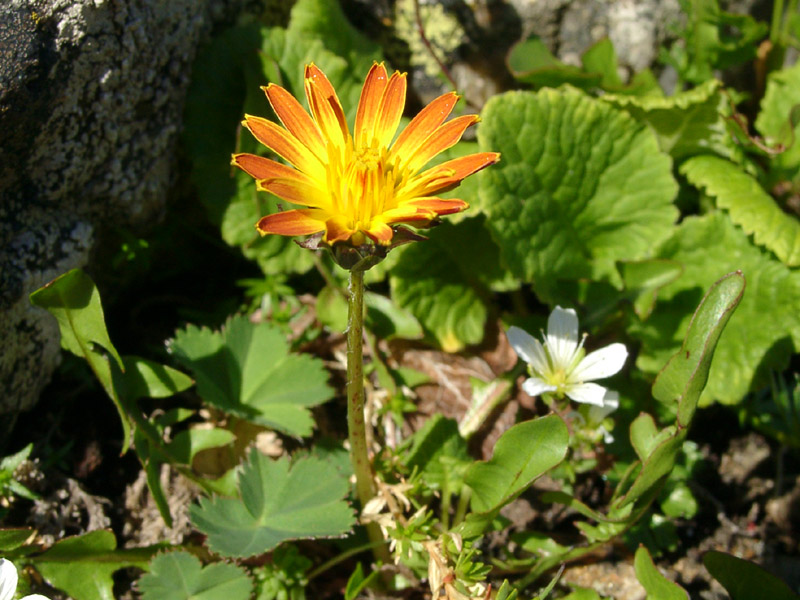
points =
(91, 101)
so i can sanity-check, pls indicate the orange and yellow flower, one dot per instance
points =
(355, 188)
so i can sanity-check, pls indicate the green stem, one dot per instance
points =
(356, 426)
(775, 26)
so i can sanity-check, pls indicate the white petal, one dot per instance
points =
(535, 386)
(8, 579)
(528, 348)
(562, 336)
(589, 393)
(610, 404)
(601, 363)
(35, 597)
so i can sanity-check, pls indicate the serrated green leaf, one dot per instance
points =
(75, 302)
(277, 502)
(750, 207)
(760, 336)
(181, 576)
(522, 454)
(690, 122)
(82, 566)
(655, 584)
(580, 186)
(745, 580)
(685, 375)
(779, 119)
(444, 282)
(247, 370)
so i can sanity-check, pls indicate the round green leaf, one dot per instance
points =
(580, 185)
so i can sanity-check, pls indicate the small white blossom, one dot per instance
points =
(561, 366)
(8, 582)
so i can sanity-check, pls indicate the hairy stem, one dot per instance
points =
(356, 426)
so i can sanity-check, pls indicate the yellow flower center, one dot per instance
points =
(361, 183)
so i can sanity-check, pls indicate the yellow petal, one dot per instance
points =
(369, 103)
(380, 232)
(424, 124)
(259, 167)
(338, 229)
(303, 221)
(284, 144)
(391, 110)
(325, 106)
(443, 138)
(296, 119)
(447, 175)
(296, 191)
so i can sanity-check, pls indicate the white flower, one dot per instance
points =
(561, 366)
(8, 582)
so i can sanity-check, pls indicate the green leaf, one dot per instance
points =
(690, 122)
(655, 584)
(147, 379)
(358, 582)
(581, 593)
(332, 309)
(532, 62)
(225, 84)
(247, 370)
(507, 592)
(11, 539)
(750, 207)
(602, 58)
(760, 336)
(387, 320)
(74, 301)
(445, 282)
(779, 120)
(581, 185)
(181, 576)
(82, 566)
(189, 442)
(439, 452)
(685, 375)
(277, 502)
(521, 455)
(744, 580)
(645, 278)
(12, 461)
(645, 436)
